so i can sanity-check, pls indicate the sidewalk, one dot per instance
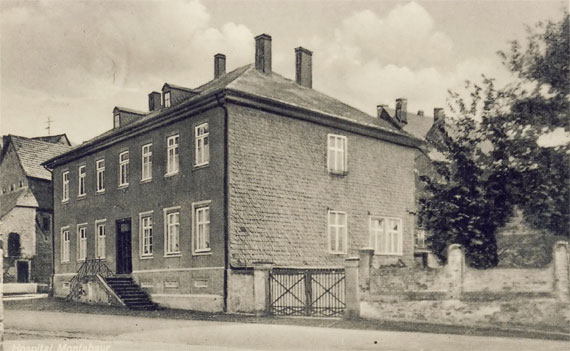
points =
(118, 332)
(59, 305)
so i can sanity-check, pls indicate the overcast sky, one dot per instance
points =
(75, 61)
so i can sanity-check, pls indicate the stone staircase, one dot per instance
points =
(131, 294)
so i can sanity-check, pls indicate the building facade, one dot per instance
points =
(248, 168)
(26, 207)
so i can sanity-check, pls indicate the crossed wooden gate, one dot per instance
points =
(307, 292)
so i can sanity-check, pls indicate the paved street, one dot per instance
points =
(89, 332)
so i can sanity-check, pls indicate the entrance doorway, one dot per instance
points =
(124, 259)
(23, 271)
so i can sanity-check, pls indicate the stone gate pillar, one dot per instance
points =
(560, 258)
(261, 287)
(364, 271)
(454, 270)
(352, 288)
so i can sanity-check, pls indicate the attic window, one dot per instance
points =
(167, 99)
(116, 120)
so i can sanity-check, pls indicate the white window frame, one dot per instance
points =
(198, 207)
(339, 230)
(146, 162)
(124, 169)
(81, 242)
(167, 99)
(100, 239)
(333, 149)
(117, 120)
(65, 186)
(172, 154)
(81, 175)
(65, 254)
(169, 237)
(146, 242)
(393, 240)
(100, 166)
(202, 144)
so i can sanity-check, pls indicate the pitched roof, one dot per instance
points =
(21, 197)
(417, 125)
(53, 138)
(32, 153)
(248, 80)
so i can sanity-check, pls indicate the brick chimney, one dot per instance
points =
(421, 113)
(304, 67)
(219, 65)
(154, 101)
(263, 53)
(402, 110)
(438, 114)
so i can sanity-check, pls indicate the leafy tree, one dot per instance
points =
(493, 157)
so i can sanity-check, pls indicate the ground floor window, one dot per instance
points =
(201, 227)
(100, 237)
(146, 233)
(386, 235)
(337, 232)
(65, 244)
(172, 230)
(82, 242)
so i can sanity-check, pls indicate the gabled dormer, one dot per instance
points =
(173, 95)
(123, 116)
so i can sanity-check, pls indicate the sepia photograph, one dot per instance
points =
(387, 175)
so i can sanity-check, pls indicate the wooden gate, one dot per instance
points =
(307, 292)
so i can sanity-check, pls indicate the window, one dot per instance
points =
(386, 235)
(146, 162)
(21, 184)
(167, 99)
(145, 220)
(336, 155)
(337, 232)
(100, 175)
(14, 245)
(202, 145)
(172, 230)
(81, 183)
(116, 121)
(172, 155)
(124, 168)
(100, 239)
(201, 227)
(65, 244)
(65, 187)
(81, 242)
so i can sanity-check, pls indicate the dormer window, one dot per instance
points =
(116, 120)
(167, 99)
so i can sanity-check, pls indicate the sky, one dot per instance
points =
(74, 61)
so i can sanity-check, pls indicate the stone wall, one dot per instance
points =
(457, 294)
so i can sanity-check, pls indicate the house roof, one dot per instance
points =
(33, 152)
(129, 110)
(20, 198)
(417, 125)
(274, 87)
(53, 138)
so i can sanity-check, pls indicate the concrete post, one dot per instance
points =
(454, 270)
(352, 289)
(365, 263)
(261, 287)
(561, 280)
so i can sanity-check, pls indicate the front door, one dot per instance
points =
(124, 260)
(23, 269)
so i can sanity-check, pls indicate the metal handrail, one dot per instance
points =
(89, 268)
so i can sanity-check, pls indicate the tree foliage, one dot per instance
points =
(495, 154)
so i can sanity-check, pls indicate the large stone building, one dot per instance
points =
(26, 207)
(249, 167)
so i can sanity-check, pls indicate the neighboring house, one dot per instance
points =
(424, 128)
(26, 206)
(250, 167)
